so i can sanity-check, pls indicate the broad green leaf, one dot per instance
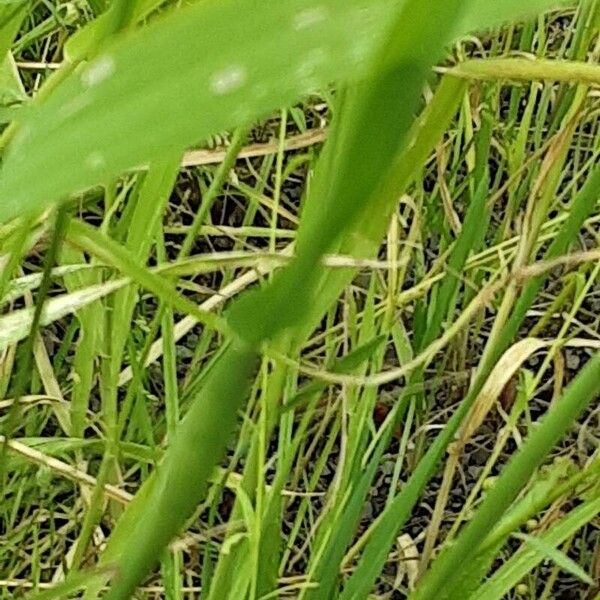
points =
(142, 95)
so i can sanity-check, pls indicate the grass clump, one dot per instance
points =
(347, 348)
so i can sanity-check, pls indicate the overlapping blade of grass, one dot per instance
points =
(228, 571)
(325, 569)
(548, 486)
(384, 553)
(581, 208)
(11, 15)
(11, 88)
(361, 164)
(530, 287)
(87, 39)
(144, 83)
(425, 133)
(344, 187)
(20, 286)
(182, 478)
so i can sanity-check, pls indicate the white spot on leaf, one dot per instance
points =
(259, 90)
(99, 70)
(228, 80)
(360, 51)
(308, 71)
(95, 161)
(22, 136)
(310, 17)
(76, 105)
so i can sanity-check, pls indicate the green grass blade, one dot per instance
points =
(108, 251)
(11, 15)
(15, 326)
(520, 69)
(325, 570)
(546, 550)
(507, 576)
(183, 476)
(444, 576)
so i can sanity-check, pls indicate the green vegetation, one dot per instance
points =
(300, 299)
